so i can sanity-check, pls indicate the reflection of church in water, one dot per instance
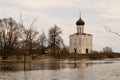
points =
(80, 42)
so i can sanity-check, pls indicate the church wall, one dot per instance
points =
(81, 43)
(87, 43)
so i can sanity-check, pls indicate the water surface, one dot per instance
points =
(56, 69)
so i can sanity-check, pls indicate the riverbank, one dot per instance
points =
(94, 56)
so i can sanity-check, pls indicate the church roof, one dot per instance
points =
(81, 34)
(80, 22)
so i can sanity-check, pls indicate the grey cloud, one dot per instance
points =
(65, 13)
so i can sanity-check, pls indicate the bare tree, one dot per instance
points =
(43, 42)
(28, 39)
(55, 40)
(9, 36)
(111, 31)
(31, 37)
(107, 50)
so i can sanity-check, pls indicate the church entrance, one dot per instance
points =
(75, 50)
(87, 50)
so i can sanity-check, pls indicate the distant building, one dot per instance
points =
(80, 42)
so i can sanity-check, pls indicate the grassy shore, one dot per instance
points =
(93, 56)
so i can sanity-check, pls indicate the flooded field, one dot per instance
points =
(56, 69)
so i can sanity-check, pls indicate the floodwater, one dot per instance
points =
(57, 69)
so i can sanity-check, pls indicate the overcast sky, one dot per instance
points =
(65, 13)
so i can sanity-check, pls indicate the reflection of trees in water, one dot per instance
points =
(75, 65)
(43, 65)
(55, 65)
(9, 66)
(59, 64)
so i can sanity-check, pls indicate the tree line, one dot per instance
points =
(16, 39)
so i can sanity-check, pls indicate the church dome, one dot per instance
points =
(80, 22)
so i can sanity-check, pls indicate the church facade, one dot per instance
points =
(80, 42)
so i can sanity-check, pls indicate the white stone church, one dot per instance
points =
(80, 42)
